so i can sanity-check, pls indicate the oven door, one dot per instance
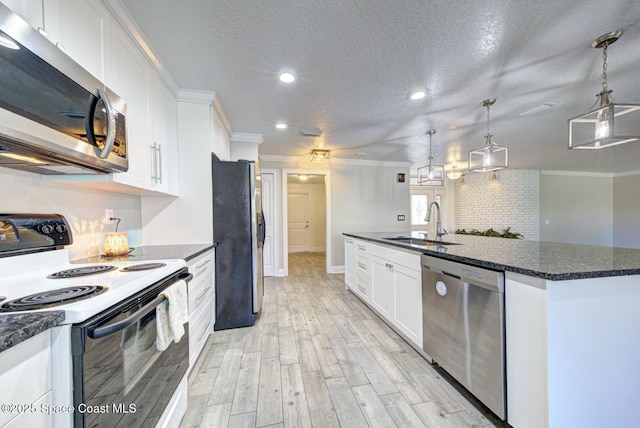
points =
(119, 377)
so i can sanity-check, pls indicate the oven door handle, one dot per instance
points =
(98, 332)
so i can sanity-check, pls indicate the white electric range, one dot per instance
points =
(106, 354)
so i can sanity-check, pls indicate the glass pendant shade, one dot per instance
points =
(430, 174)
(454, 174)
(491, 157)
(608, 125)
(611, 123)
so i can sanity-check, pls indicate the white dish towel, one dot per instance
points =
(171, 315)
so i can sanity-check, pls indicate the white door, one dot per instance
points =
(298, 219)
(268, 251)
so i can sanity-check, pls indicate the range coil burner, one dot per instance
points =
(57, 297)
(144, 266)
(81, 271)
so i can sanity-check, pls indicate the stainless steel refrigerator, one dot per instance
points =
(238, 231)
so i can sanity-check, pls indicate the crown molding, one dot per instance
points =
(334, 161)
(196, 96)
(246, 137)
(578, 173)
(137, 37)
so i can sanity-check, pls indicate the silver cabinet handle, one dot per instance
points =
(203, 264)
(203, 294)
(362, 247)
(153, 161)
(350, 241)
(388, 265)
(159, 164)
(362, 290)
(362, 266)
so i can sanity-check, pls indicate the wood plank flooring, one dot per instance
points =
(318, 357)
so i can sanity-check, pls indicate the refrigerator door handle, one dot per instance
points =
(262, 229)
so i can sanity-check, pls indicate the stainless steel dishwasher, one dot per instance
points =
(463, 327)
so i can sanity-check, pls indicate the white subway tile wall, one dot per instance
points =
(512, 200)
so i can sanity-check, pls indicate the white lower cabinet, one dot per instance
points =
(349, 262)
(201, 303)
(390, 281)
(25, 376)
(407, 310)
(382, 282)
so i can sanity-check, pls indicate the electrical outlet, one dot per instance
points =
(400, 217)
(108, 215)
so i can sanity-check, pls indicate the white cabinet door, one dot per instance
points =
(81, 28)
(164, 149)
(382, 278)
(30, 10)
(128, 76)
(349, 262)
(407, 311)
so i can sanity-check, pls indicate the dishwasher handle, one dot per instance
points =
(444, 272)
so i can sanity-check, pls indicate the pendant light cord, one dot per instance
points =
(604, 68)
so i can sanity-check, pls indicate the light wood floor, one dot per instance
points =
(319, 357)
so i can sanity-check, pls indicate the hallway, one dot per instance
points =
(319, 357)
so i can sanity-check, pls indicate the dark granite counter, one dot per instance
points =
(155, 252)
(548, 260)
(16, 328)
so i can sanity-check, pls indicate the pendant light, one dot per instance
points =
(431, 175)
(610, 123)
(491, 157)
(454, 174)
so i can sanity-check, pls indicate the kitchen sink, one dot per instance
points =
(420, 242)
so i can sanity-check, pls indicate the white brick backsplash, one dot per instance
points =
(513, 200)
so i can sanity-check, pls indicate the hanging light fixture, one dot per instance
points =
(454, 174)
(491, 157)
(432, 175)
(610, 123)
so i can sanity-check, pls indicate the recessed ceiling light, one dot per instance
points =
(282, 125)
(287, 77)
(417, 95)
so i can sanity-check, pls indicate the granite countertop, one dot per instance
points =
(16, 328)
(155, 252)
(548, 260)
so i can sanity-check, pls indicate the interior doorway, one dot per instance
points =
(306, 213)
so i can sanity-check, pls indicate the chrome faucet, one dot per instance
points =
(440, 232)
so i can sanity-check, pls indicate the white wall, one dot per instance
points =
(626, 211)
(576, 209)
(84, 208)
(317, 216)
(512, 200)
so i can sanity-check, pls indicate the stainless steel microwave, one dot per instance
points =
(55, 117)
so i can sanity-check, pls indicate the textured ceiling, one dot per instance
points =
(357, 61)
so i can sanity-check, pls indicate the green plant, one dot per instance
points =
(506, 233)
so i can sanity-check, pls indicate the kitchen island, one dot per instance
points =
(567, 308)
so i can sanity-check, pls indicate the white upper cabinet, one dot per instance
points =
(30, 10)
(80, 28)
(164, 148)
(129, 78)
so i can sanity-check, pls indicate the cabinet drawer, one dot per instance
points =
(363, 287)
(201, 265)
(200, 293)
(199, 329)
(363, 264)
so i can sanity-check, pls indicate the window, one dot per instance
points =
(419, 205)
